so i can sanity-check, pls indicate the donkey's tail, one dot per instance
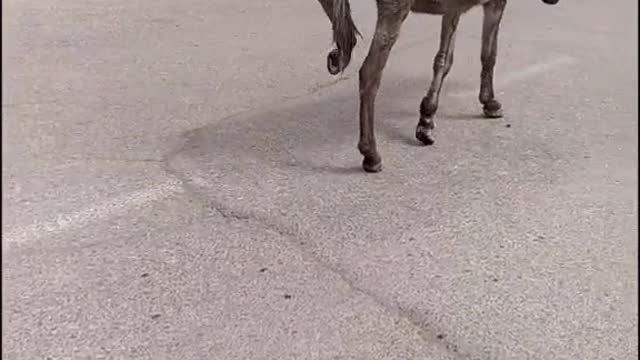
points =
(344, 32)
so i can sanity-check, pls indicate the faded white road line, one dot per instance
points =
(525, 73)
(114, 206)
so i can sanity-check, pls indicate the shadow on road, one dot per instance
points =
(307, 132)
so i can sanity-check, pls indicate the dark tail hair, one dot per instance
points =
(344, 30)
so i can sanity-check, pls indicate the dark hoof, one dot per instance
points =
(493, 114)
(372, 165)
(424, 133)
(333, 62)
(492, 110)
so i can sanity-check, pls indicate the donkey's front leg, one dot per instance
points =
(390, 19)
(492, 16)
(441, 65)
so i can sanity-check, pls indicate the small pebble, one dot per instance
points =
(508, 125)
(287, 296)
(144, 275)
(263, 269)
(155, 316)
(441, 336)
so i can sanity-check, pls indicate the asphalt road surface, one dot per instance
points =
(181, 181)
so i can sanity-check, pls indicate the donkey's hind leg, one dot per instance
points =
(492, 16)
(391, 15)
(441, 65)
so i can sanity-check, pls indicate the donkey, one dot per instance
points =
(391, 15)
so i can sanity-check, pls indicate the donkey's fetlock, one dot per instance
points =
(366, 148)
(428, 108)
(372, 161)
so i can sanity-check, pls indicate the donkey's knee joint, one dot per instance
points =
(385, 39)
(488, 61)
(439, 61)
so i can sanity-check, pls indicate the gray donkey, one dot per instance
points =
(391, 15)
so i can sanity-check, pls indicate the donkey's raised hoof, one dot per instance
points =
(333, 62)
(424, 133)
(372, 165)
(492, 109)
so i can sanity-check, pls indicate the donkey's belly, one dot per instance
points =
(440, 7)
(435, 7)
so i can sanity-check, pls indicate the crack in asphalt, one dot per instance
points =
(417, 320)
(297, 239)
